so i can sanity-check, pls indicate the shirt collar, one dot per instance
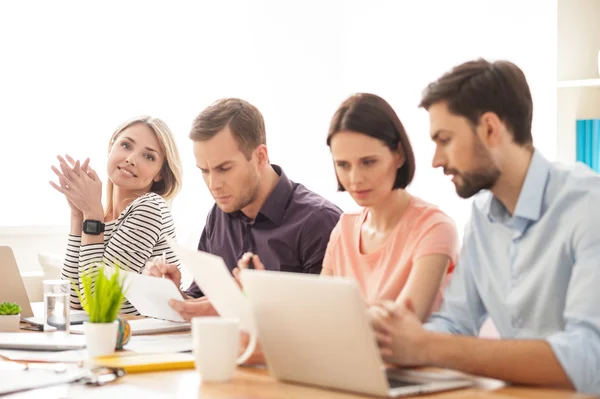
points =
(529, 204)
(274, 206)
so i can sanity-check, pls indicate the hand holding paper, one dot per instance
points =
(150, 296)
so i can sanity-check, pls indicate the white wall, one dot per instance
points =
(578, 44)
(72, 71)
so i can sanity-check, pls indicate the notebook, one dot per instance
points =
(145, 363)
(18, 380)
(147, 326)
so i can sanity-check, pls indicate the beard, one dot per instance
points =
(249, 194)
(484, 176)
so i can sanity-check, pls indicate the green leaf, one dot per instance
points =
(101, 296)
(9, 309)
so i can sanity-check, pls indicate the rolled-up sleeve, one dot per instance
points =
(462, 311)
(577, 347)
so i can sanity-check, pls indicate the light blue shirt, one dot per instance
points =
(535, 273)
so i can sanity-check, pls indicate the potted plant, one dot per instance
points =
(10, 317)
(101, 295)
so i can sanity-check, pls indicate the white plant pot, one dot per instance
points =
(10, 323)
(100, 338)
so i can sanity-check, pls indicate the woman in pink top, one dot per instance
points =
(398, 246)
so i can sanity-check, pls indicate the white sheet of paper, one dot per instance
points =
(162, 343)
(146, 326)
(150, 295)
(216, 282)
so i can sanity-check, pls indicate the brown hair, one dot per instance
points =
(371, 115)
(244, 120)
(480, 86)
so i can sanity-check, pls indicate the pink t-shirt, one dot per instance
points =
(422, 230)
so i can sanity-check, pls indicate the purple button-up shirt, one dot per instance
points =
(290, 232)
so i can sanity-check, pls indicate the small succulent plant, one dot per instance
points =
(9, 309)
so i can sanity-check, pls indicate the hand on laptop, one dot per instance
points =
(193, 308)
(244, 263)
(400, 334)
(155, 267)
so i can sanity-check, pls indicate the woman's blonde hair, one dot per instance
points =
(170, 184)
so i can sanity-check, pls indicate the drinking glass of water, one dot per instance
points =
(56, 305)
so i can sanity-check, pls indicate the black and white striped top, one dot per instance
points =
(136, 236)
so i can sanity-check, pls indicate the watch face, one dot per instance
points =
(92, 225)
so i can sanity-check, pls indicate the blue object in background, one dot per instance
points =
(588, 142)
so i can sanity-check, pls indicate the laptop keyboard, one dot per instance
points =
(395, 383)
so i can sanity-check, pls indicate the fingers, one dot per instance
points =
(381, 326)
(193, 308)
(389, 307)
(85, 165)
(73, 165)
(237, 277)
(379, 312)
(92, 173)
(158, 261)
(58, 188)
(383, 339)
(409, 305)
(77, 168)
(64, 182)
(66, 171)
(70, 159)
(151, 269)
(179, 307)
(386, 353)
(258, 265)
(169, 268)
(244, 261)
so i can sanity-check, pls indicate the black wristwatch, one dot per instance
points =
(93, 227)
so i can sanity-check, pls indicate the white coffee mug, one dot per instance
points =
(216, 344)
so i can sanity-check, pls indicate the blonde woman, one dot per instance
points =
(144, 172)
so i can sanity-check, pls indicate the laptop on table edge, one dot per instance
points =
(12, 289)
(315, 330)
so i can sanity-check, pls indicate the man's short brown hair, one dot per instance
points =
(244, 120)
(476, 87)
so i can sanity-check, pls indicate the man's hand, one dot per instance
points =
(155, 267)
(400, 334)
(244, 263)
(193, 308)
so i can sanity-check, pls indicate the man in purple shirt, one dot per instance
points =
(258, 209)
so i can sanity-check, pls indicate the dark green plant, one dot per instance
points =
(9, 309)
(102, 295)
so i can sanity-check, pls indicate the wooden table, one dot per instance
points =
(255, 383)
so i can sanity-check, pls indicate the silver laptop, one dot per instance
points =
(315, 330)
(12, 288)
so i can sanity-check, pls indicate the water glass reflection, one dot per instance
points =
(56, 305)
